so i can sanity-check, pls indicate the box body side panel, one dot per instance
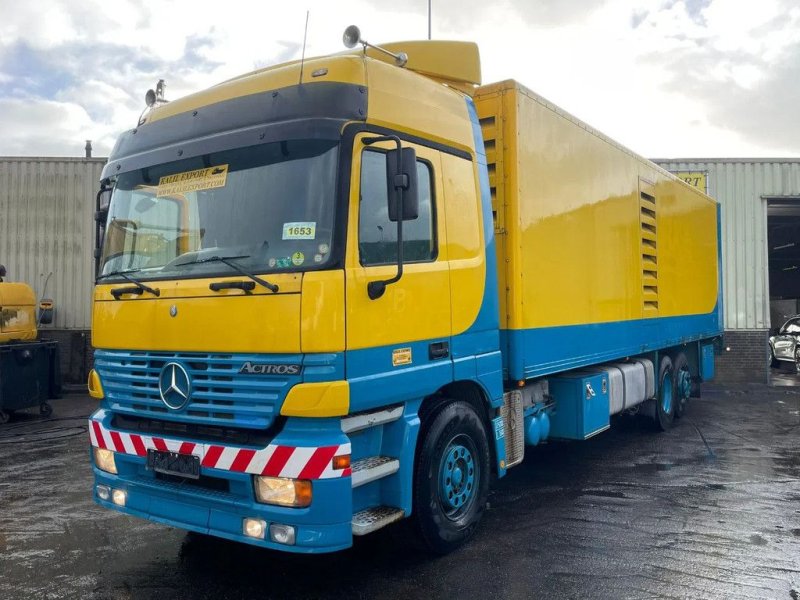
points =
(606, 255)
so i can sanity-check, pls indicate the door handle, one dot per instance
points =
(438, 350)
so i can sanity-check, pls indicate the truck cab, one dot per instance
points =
(256, 313)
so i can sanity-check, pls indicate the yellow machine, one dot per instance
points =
(17, 312)
(338, 292)
(29, 368)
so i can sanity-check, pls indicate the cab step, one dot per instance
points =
(365, 420)
(371, 468)
(371, 519)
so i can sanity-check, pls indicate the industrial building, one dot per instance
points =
(47, 240)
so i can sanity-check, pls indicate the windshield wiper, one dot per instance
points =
(138, 290)
(227, 260)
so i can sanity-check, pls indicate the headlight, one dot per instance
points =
(283, 491)
(104, 459)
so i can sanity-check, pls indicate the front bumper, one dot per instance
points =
(325, 526)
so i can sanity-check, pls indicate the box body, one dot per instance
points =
(601, 254)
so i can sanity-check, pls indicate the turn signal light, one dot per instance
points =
(341, 462)
(95, 387)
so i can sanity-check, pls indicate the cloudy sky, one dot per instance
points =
(668, 78)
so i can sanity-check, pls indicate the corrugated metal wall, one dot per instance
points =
(47, 225)
(742, 187)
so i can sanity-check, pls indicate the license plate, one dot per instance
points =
(172, 463)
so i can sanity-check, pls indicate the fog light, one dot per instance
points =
(103, 492)
(119, 497)
(282, 534)
(254, 528)
(282, 491)
(104, 459)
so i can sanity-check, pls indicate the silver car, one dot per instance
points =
(785, 345)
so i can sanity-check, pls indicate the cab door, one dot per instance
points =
(398, 345)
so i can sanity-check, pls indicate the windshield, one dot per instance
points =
(271, 206)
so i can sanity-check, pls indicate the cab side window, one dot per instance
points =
(377, 235)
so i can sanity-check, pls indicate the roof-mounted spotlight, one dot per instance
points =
(352, 37)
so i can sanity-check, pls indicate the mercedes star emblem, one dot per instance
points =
(174, 386)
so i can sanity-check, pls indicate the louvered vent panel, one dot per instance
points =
(649, 249)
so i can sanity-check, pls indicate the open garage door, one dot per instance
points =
(783, 239)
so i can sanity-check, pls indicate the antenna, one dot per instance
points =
(303, 55)
(429, 19)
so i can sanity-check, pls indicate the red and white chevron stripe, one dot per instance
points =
(298, 462)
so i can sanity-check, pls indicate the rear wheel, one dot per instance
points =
(4, 417)
(45, 409)
(452, 477)
(667, 395)
(797, 359)
(683, 384)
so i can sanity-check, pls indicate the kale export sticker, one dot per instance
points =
(192, 181)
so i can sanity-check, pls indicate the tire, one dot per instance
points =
(683, 383)
(451, 477)
(4, 417)
(773, 362)
(797, 359)
(45, 409)
(665, 401)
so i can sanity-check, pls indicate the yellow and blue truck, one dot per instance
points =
(342, 291)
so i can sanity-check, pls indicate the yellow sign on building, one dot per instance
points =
(696, 179)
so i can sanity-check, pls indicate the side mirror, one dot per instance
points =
(401, 174)
(2, 272)
(100, 216)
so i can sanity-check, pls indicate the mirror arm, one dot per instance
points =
(376, 289)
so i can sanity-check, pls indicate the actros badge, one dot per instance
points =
(251, 368)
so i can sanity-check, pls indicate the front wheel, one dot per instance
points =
(797, 359)
(452, 477)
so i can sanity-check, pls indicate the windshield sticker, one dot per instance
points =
(302, 230)
(272, 262)
(318, 258)
(192, 181)
(298, 258)
(323, 248)
(283, 263)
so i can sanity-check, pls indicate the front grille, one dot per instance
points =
(220, 394)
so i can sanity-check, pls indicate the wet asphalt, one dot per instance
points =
(710, 509)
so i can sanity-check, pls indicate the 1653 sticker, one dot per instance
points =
(301, 230)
